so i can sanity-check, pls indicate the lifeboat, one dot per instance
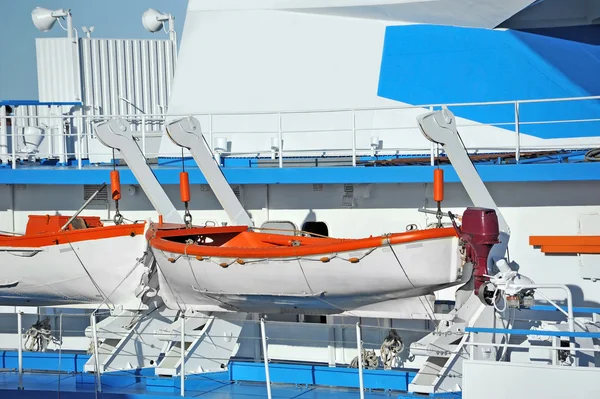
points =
(238, 268)
(81, 263)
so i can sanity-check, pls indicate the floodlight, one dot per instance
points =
(44, 19)
(153, 21)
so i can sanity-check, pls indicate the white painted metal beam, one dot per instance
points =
(440, 127)
(115, 134)
(186, 132)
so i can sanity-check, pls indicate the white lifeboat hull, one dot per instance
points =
(84, 271)
(325, 283)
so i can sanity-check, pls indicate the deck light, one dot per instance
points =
(153, 21)
(44, 19)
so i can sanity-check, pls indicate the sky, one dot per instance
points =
(110, 18)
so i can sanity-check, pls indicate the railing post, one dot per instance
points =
(62, 158)
(60, 338)
(280, 138)
(265, 356)
(471, 346)
(13, 141)
(79, 147)
(144, 135)
(360, 361)
(353, 138)
(517, 134)
(96, 358)
(432, 153)
(182, 369)
(20, 351)
(210, 133)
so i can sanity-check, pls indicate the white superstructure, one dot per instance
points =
(269, 81)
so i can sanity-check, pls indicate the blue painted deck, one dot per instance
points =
(243, 380)
(551, 172)
(72, 387)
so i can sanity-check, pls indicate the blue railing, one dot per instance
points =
(18, 103)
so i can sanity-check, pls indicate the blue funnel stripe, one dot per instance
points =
(430, 64)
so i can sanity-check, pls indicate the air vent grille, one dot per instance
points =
(90, 189)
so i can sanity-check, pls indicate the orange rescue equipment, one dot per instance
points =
(438, 185)
(115, 185)
(184, 187)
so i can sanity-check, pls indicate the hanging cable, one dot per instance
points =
(115, 190)
(140, 261)
(410, 281)
(170, 287)
(90, 276)
(438, 189)
(184, 192)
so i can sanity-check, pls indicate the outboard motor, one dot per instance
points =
(479, 232)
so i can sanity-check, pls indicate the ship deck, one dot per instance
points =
(549, 171)
(46, 386)
(243, 380)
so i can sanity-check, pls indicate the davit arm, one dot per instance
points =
(115, 134)
(186, 133)
(440, 127)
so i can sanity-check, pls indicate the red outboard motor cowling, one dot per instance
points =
(479, 231)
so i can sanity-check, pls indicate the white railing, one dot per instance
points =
(263, 341)
(351, 133)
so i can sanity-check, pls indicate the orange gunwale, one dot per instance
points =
(71, 236)
(238, 242)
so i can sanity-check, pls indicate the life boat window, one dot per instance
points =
(315, 319)
(282, 227)
(317, 228)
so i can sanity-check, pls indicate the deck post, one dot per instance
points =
(280, 139)
(13, 142)
(20, 352)
(360, 361)
(78, 147)
(432, 153)
(265, 356)
(517, 134)
(353, 138)
(182, 369)
(60, 340)
(96, 352)
(144, 135)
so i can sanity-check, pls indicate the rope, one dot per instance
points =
(288, 230)
(90, 276)
(410, 281)
(140, 261)
(11, 233)
(169, 285)
(199, 285)
(592, 155)
(319, 298)
(370, 360)
(39, 335)
(390, 348)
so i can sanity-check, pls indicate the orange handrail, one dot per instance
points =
(262, 245)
